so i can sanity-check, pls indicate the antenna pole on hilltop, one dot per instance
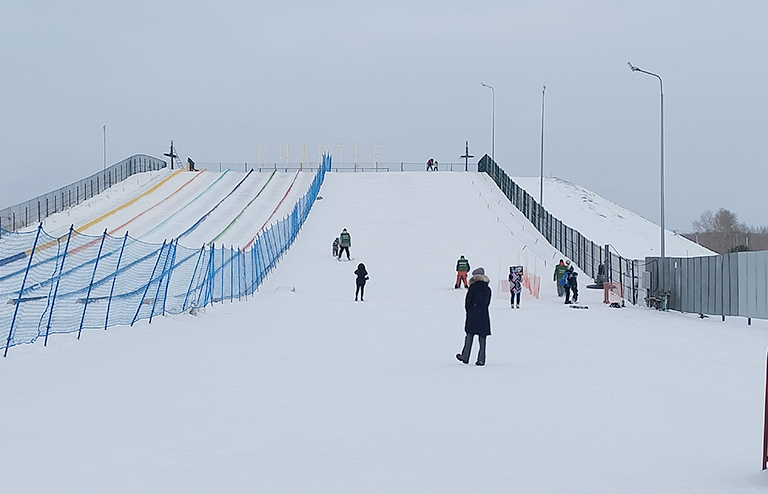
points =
(172, 155)
(466, 156)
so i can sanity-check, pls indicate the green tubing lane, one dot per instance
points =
(243, 210)
(164, 222)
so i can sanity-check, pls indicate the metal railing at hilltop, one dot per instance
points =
(361, 167)
(35, 210)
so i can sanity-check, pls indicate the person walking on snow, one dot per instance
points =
(345, 242)
(515, 284)
(478, 321)
(560, 270)
(336, 247)
(462, 267)
(362, 277)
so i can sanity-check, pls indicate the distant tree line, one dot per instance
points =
(722, 232)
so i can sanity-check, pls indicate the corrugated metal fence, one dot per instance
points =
(728, 285)
(36, 210)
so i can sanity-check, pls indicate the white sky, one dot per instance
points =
(221, 78)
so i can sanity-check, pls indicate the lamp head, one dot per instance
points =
(632, 67)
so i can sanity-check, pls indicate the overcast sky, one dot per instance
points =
(397, 81)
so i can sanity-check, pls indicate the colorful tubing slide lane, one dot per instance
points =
(41, 247)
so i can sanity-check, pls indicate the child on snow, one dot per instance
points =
(515, 284)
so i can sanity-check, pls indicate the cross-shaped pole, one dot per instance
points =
(172, 155)
(466, 157)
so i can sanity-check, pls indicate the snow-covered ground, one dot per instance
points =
(604, 222)
(301, 389)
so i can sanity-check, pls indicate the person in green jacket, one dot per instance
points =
(560, 270)
(345, 242)
(462, 267)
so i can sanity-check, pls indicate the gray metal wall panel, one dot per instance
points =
(719, 286)
(698, 277)
(734, 285)
(714, 281)
(742, 285)
(690, 278)
(751, 285)
(761, 296)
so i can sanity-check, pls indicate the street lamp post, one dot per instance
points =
(663, 231)
(541, 183)
(493, 120)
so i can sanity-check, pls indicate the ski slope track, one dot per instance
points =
(302, 389)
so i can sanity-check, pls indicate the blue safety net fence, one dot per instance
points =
(51, 285)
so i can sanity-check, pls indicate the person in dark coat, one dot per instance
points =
(362, 277)
(478, 321)
(571, 286)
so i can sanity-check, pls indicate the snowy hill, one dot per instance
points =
(605, 222)
(301, 389)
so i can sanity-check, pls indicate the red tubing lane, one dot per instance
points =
(250, 242)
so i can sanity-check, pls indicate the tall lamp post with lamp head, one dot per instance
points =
(493, 120)
(661, 89)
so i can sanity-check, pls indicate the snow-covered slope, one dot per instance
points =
(301, 389)
(605, 222)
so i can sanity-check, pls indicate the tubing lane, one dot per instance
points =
(250, 242)
(94, 241)
(28, 252)
(169, 218)
(205, 216)
(221, 233)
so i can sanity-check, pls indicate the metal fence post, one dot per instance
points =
(21, 290)
(192, 279)
(90, 285)
(160, 280)
(149, 282)
(114, 278)
(56, 290)
(170, 273)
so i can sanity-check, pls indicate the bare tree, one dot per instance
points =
(723, 221)
(721, 231)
